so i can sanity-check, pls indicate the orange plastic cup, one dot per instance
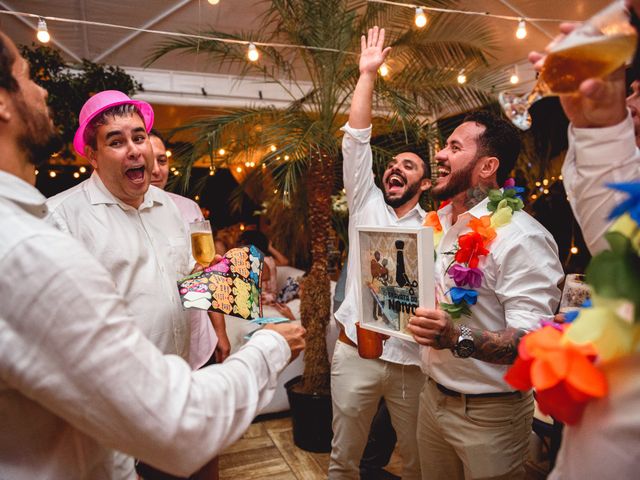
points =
(369, 342)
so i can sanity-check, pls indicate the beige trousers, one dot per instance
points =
(473, 438)
(357, 384)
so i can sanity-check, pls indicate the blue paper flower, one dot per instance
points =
(631, 204)
(459, 294)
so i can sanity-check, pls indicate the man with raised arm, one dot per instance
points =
(357, 384)
(497, 273)
(78, 378)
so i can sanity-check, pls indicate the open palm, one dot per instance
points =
(372, 54)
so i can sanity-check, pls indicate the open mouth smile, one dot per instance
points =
(136, 174)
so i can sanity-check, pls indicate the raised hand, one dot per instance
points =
(372, 53)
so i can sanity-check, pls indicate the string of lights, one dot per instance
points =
(421, 21)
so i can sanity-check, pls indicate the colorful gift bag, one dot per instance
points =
(231, 286)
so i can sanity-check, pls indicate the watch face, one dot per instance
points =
(465, 348)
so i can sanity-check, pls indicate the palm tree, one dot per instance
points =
(303, 169)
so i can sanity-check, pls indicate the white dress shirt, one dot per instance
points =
(78, 378)
(519, 288)
(146, 250)
(203, 339)
(606, 441)
(597, 156)
(368, 208)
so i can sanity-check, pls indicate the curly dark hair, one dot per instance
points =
(500, 139)
(7, 59)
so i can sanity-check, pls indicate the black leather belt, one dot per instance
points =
(452, 393)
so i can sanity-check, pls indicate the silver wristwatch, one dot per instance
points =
(465, 347)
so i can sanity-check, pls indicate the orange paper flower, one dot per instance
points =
(482, 226)
(562, 374)
(432, 220)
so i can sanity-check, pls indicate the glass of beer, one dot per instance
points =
(574, 293)
(202, 247)
(596, 48)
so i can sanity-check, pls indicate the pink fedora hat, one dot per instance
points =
(101, 102)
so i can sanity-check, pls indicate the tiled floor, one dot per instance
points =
(266, 451)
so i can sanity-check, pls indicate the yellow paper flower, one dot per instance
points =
(629, 228)
(601, 326)
(501, 216)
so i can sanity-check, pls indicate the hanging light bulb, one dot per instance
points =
(76, 174)
(43, 33)
(222, 151)
(252, 53)
(421, 18)
(53, 174)
(574, 250)
(168, 153)
(83, 169)
(521, 32)
(273, 148)
(514, 79)
(462, 78)
(384, 70)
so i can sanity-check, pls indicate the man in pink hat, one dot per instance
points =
(137, 233)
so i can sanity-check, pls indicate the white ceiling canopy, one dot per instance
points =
(180, 79)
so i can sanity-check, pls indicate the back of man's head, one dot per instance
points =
(499, 139)
(7, 59)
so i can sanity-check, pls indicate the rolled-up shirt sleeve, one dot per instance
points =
(68, 344)
(357, 166)
(527, 281)
(596, 157)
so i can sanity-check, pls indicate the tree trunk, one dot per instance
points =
(316, 297)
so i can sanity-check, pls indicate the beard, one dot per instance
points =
(458, 182)
(39, 139)
(411, 190)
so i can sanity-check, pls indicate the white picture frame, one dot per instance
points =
(388, 295)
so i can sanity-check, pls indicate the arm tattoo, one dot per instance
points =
(497, 347)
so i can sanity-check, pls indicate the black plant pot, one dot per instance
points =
(311, 416)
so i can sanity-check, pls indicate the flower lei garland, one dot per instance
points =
(562, 361)
(472, 245)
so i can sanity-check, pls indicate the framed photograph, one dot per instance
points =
(396, 276)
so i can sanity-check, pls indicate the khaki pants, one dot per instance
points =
(473, 438)
(357, 384)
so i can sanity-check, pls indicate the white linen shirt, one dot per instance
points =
(519, 288)
(203, 338)
(146, 250)
(368, 208)
(597, 156)
(78, 378)
(605, 443)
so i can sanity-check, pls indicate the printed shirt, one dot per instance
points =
(77, 377)
(368, 208)
(520, 287)
(146, 250)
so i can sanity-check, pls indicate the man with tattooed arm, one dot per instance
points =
(496, 278)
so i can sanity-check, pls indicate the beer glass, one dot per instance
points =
(596, 48)
(202, 247)
(574, 293)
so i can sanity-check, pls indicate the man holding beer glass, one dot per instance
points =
(604, 136)
(137, 233)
